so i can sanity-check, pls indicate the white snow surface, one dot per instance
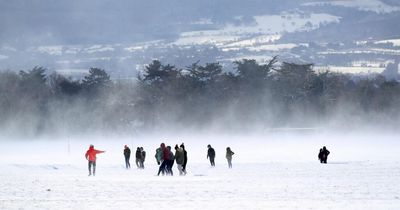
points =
(269, 172)
(350, 69)
(266, 29)
(376, 6)
(394, 42)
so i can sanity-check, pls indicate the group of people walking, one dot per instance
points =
(211, 156)
(140, 157)
(165, 158)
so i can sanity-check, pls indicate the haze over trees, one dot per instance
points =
(252, 96)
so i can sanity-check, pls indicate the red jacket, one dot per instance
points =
(165, 152)
(91, 153)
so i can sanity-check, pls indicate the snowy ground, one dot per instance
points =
(43, 175)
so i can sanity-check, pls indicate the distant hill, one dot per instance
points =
(123, 35)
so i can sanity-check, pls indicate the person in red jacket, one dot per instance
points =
(91, 157)
(164, 159)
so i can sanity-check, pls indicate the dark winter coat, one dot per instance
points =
(127, 152)
(138, 154)
(179, 156)
(171, 156)
(184, 157)
(165, 152)
(229, 154)
(159, 155)
(143, 155)
(320, 154)
(211, 153)
(324, 153)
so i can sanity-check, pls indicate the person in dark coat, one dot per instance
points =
(158, 155)
(180, 159)
(143, 157)
(211, 155)
(170, 161)
(127, 154)
(324, 155)
(320, 155)
(229, 154)
(185, 158)
(163, 161)
(138, 157)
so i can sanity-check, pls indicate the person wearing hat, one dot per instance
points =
(91, 157)
(127, 154)
(211, 155)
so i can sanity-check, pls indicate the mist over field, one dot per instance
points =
(253, 97)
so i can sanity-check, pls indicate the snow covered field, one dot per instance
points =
(280, 174)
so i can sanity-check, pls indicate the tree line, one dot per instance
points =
(199, 97)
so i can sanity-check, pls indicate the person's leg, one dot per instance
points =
(90, 167)
(164, 168)
(137, 163)
(170, 167)
(161, 168)
(180, 168)
(167, 171)
(170, 163)
(94, 168)
(184, 168)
